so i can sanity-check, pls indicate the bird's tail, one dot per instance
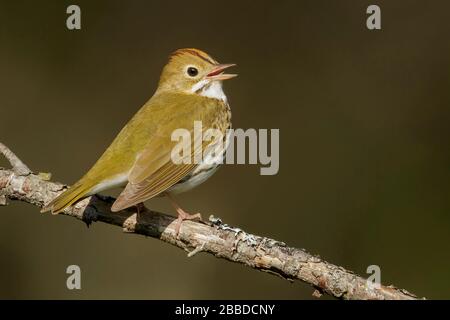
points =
(67, 198)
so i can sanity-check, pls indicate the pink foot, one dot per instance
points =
(183, 215)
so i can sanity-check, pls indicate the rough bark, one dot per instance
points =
(213, 237)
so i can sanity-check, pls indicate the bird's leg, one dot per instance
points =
(141, 208)
(182, 215)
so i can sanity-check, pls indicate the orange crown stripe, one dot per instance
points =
(195, 52)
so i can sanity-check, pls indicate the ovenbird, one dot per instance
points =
(139, 158)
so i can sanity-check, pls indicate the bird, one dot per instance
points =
(139, 158)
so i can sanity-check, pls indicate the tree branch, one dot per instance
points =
(215, 238)
(18, 166)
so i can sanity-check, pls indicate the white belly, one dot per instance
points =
(193, 180)
(203, 171)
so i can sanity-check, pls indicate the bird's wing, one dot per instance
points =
(154, 171)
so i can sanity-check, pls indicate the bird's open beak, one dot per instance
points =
(217, 72)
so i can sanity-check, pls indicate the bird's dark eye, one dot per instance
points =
(192, 71)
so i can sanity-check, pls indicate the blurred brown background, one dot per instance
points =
(364, 153)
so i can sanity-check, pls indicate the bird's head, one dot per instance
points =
(194, 71)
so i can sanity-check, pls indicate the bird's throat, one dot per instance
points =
(210, 90)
